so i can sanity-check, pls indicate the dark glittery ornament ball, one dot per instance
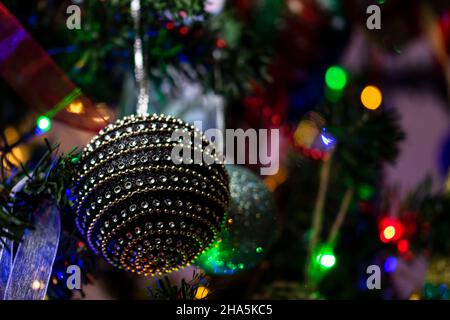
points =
(140, 210)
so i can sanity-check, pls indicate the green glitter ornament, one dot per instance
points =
(249, 228)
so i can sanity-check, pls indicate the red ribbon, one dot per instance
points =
(38, 80)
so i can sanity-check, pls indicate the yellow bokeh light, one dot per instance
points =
(81, 63)
(271, 183)
(202, 293)
(37, 285)
(389, 232)
(371, 97)
(75, 107)
(306, 133)
(414, 296)
(12, 135)
(16, 155)
(103, 113)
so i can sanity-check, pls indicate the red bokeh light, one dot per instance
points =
(403, 246)
(391, 229)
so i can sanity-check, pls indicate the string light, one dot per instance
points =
(81, 62)
(414, 296)
(295, 6)
(202, 293)
(272, 182)
(170, 25)
(327, 260)
(327, 140)
(184, 30)
(325, 257)
(75, 159)
(390, 230)
(403, 246)
(365, 192)
(103, 113)
(322, 261)
(371, 97)
(220, 43)
(76, 107)
(336, 78)
(44, 123)
(390, 264)
(306, 133)
(16, 155)
(37, 285)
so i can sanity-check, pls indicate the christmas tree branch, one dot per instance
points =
(50, 178)
(165, 289)
(343, 210)
(317, 217)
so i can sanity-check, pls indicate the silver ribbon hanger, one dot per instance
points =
(140, 73)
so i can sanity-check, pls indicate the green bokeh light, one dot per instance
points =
(336, 78)
(75, 160)
(44, 123)
(322, 261)
(365, 192)
(327, 260)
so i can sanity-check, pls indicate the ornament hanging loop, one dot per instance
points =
(140, 73)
